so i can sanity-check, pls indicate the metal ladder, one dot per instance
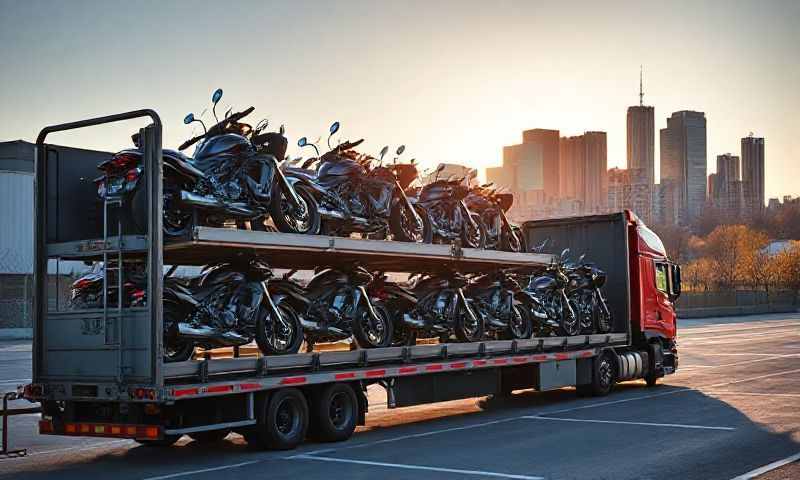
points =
(116, 340)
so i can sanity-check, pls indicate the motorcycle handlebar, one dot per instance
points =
(217, 128)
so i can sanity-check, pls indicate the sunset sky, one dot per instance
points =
(454, 81)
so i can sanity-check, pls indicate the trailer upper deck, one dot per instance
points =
(282, 250)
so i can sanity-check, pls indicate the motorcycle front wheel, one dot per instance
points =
(474, 236)
(275, 337)
(467, 329)
(569, 324)
(304, 220)
(405, 229)
(520, 324)
(373, 333)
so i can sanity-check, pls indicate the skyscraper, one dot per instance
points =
(582, 170)
(641, 140)
(683, 159)
(549, 142)
(753, 173)
(725, 187)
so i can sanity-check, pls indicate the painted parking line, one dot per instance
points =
(744, 362)
(756, 394)
(737, 336)
(404, 466)
(759, 377)
(767, 468)
(203, 470)
(620, 422)
(736, 327)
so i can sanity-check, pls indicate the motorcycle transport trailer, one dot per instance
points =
(99, 372)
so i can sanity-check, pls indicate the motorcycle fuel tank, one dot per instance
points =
(208, 153)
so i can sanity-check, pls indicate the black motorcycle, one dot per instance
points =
(497, 297)
(450, 217)
(586, 280)
(87, 290)
(230, 304)
(435, 306)
(492, 206)
(553, 305)
(356, 196)
(233, 175)
(335, 306)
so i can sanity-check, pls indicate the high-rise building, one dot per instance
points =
(522, 169)
(641, 139)
(753, 174)
(683, 159)
(582, 170)
(548, 140)
(595, 178)
(725, 188)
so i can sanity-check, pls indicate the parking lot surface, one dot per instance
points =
(733, 408)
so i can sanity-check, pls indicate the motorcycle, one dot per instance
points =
(435, 306)
(492, 207)
(450, 217)
(355, 197)
(497, 297)
(230, 304)
(87, 290)
(335, 306)
(233, 175)
(587, 280)
(553, 304)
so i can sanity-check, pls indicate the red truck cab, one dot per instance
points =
(655, 286)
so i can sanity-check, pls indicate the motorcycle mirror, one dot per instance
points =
(282, 130)
(564, 253)
(334, 128)
(401, 149)
(217, 96)
(580, 259)
(384, 150)
(302, 142)
(188, 119)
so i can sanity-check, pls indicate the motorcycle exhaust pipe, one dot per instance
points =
(324, 212)
(194, 199)
(212, 335)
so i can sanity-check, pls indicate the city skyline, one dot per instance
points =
(394, 89)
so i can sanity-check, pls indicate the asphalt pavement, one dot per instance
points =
(732, 409)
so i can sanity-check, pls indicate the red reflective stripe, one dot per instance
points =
(587, 353)
(500, 361)
(249, 386)
(479, 363)
(434, 367)
(458, 365)
(293, 380)
(220, 388)
(562, 356)
(403, 370)
(520, 359)
(376, 373)
(185, 391)
(342, 376)
(540, 357)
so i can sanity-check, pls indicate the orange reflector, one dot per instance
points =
(70, 428)
(130, 430)
(84, 428)
(45, 426)
(151, 432)
(116, 430)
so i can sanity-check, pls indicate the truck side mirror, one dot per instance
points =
(676, 282)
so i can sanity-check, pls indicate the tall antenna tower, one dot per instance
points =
(641, 90)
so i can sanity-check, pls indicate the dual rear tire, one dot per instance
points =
(286, 418)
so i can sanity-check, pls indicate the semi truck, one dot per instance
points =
(100, 371)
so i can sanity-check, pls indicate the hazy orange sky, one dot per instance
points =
(454, 81)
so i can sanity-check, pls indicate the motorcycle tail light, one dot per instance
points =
(123, 161)
(82, 283)
(132, 175)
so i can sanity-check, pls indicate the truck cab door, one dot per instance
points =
(664, 309)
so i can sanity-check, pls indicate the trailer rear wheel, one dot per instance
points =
(604, 376)
(335, 411)
(283, 421)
